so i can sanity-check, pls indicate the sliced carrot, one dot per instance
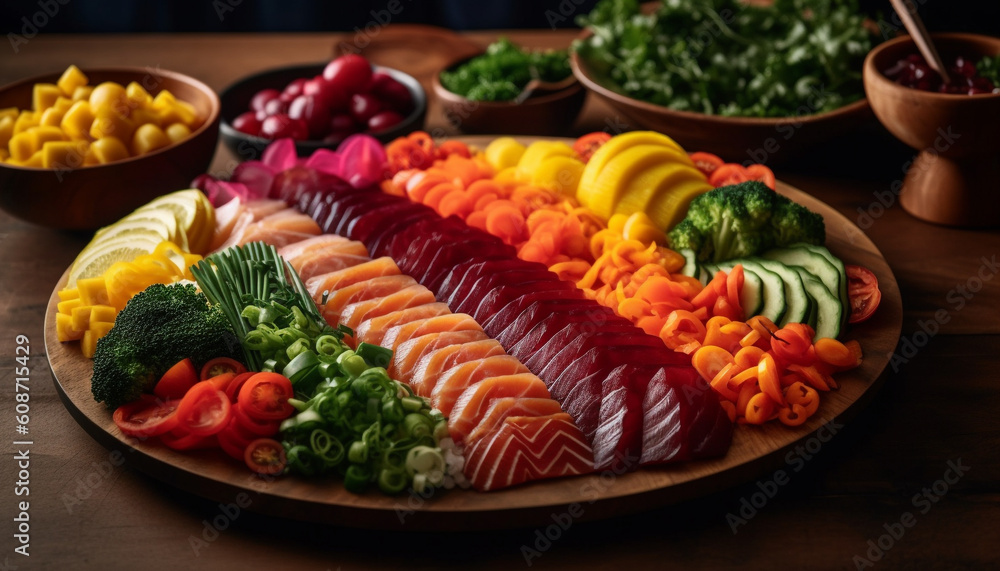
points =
(709, 360)
(759, 409)
(769, 378)
(720, 382)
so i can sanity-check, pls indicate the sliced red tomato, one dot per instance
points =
(727, 174)
(182, 440)
(265, 456)
(147, 416)
(706, 162)
(204, 410)
(265, 396)
(761, 173)
(221, 382)
(588, 144)
(863, 293)
(793, 344)
(220, 365)
(177, 380)
(234, 386)
(233, 440)
(255, 426)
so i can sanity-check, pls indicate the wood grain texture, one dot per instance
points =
(755, 449)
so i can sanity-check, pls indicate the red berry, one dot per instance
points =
(247, 123)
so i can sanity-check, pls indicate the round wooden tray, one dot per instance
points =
(754, 451)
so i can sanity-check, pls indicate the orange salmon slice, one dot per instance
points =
(451, 322)
(351, 275)
(355, 313)
(372, 330)
(452, 382)
(408, 354)
(363, 291)
(471, 406)
(511, 406)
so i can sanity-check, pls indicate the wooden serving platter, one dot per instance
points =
(755, 449)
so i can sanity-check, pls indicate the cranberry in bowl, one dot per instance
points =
(319, 105)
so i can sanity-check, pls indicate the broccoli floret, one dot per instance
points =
(744, 220)
(157, 328)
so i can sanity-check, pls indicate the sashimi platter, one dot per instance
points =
(472, 332)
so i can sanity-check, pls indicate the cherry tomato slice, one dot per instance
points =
(204, 410)
(761, 173)
(706, 162)
(255, 426)
(727, 174)
(863, 293)
(233, 441)
(182, 440)
(220, 365)
(234, 386)
(147, 416)
(588, 144)
(221, 382)
(177, 380)
(265, 456)
(265, 396)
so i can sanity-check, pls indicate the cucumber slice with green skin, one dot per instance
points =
(703, 276)
(773, 305)
(796, 298)
(829, 311)
(752, 294)
(841, 290)
(690, 268)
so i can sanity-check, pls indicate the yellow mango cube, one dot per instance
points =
(72, 79)
(82, 93)
(44, 95)
(63, 103)
(35, 161)
(93, 291)
(6, 130)
(78, 120)
(148, 138)
(109, 123)
(52, 117)
(81, 317)
(90, 159)
(102, 313)
(111, 96)
(64, 329)
(107, 150)
(137, 96)
(68, 293)
(68, 305)
(9, 112)
(4, 155)
(64, 154)
(144, 116)
(22, 146)
(88, 344)
(177, 132)
(25, 121)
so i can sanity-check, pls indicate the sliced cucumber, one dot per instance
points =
(703, 276)
(752, 294)
(841, 289)
(690, 262)
(828, 309)
(773, 305)
(796, 298)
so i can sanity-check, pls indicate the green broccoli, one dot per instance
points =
(744, 220)
(157, 328)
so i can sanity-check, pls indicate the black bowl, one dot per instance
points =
(236, 100)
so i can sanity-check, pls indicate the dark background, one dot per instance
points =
(110, 16)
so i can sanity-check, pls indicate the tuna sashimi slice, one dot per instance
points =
(408, 354)
(502, 408)
(350, 275)
(473, 403)
(528, 448)
(405, 331)
(338, 299)
(452, 382)
(682, 418)
(353, 314)
(372, 330)
(430, 367)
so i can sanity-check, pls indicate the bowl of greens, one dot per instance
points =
(508, 89)
(756, 82)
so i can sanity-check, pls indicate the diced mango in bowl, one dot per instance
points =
(72, 123)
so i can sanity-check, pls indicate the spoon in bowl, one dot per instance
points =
(908, 13)
(537, 87)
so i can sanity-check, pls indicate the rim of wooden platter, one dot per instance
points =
(755, 450)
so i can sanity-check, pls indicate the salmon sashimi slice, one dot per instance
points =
(452, 382)
(473, 403)
(225, 220)
(450, 322)
(408, 354)
(264, 207)
(415, 295)
(244, 220)
(351, 275)
(271, 236)
(431, 366)
(505, 407)
(333, 262)
(291, 220)
(374, 288)
(528, 448)
(292, 252)
(372, 330)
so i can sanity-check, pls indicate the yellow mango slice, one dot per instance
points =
(78, 120)
(44, 95)
(71, 80)
(177, 132)
(148, 138)
(110, 123)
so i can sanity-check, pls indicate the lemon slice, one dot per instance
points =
(96, 260)
(670, 206)
(164, 217)
(622, 142)
(538, 152)
(559, 173)
(654, 181)
(504, 152)
(194, 213)
(602, 195)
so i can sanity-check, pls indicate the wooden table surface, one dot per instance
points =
(911, 482)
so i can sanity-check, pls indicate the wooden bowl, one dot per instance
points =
(546, 115)
(236, 100)
(953, 180)
(85, 198)
(736, 139)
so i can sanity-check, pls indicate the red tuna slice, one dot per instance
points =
(572, 343)
(428, 370)
(354, 210)
(450, 322)
(353, 314)
(408, 354)
(327, 213)
(618, 441)
(581, 398)
(520, 295)
(372, 330)
(381, 239)
(472, 404)
(559, 327)
(492, 322)
(505, 407)
(474, 277)
(512, 322)
(374, 288)
(350, 275)
(682, 418)
(372, 222)
(505, 283)
(452, 382)
(528, 448)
